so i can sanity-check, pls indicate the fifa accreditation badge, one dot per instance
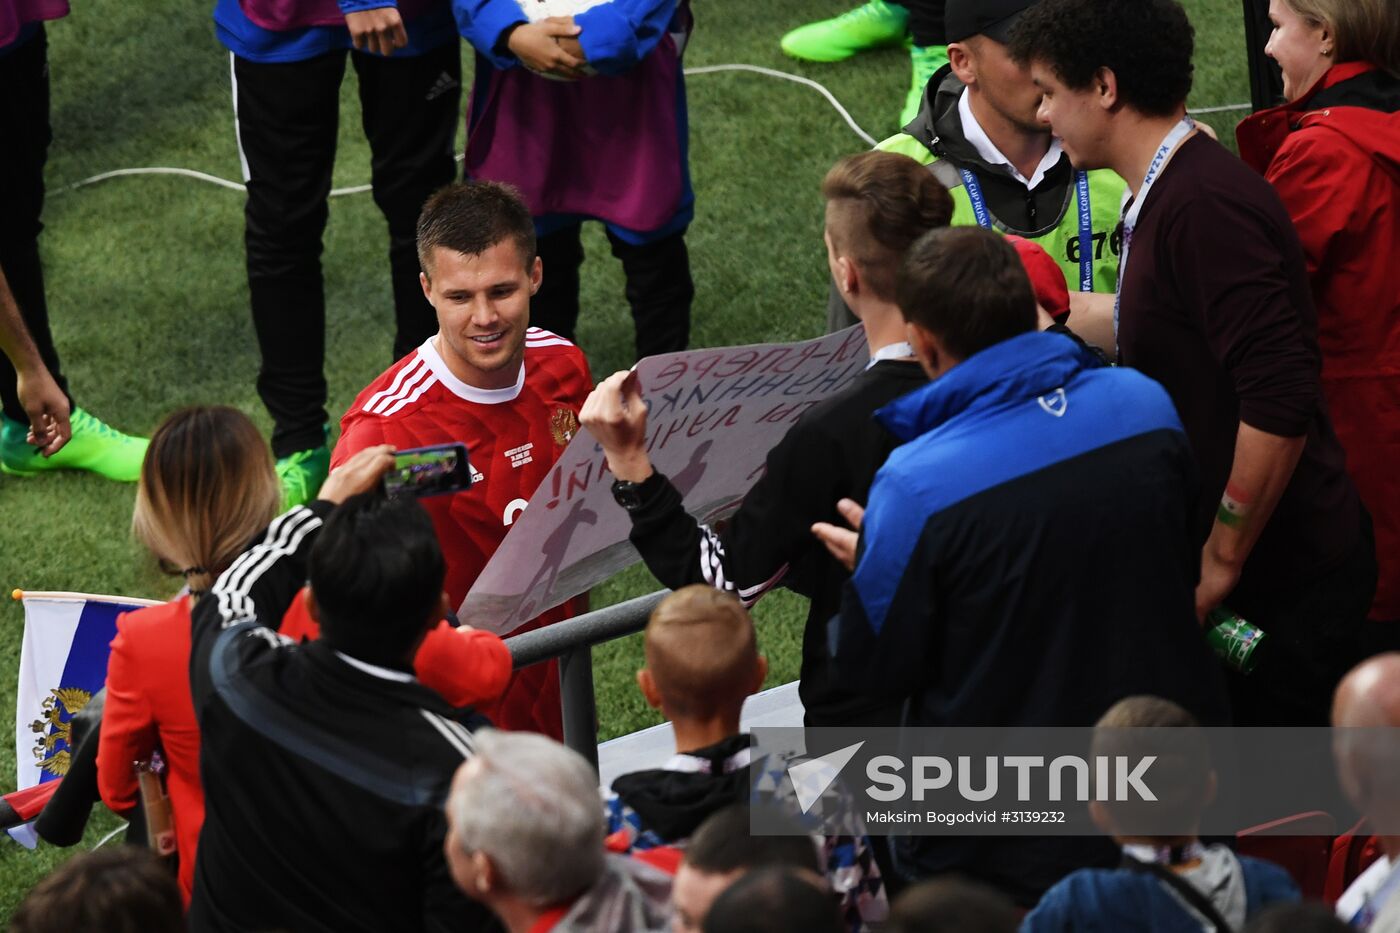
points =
(563, 425)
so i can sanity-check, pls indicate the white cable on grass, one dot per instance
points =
(113, 834)
(798, 79)
(703, 70)
(1224, 108)
(361, 189)
(191, 173)
(185, 172)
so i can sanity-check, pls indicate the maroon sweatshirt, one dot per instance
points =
(1216, 306)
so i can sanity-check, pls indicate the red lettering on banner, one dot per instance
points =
(775, 356)
(736, 364)
(853, 346)
(729, 419)
(703, 365)
(674, 371)
(555, 476)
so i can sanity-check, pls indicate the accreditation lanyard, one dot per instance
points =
(1366, 916)
(1086, 221)
(1130, 219)
(895, 351)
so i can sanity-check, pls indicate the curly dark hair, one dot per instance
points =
(1147, 44)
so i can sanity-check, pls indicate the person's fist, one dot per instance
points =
(616, 415)
(360, 473)
(379, 31)
(549, 47)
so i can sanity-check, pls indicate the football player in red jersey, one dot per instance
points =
(509, 392)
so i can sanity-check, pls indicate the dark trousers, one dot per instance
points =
(25, 135)
(287, 117)
(659, 288)
(926, 21)
(1315, 632)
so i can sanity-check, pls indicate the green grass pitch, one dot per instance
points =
(149, 301)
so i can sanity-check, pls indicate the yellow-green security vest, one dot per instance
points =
(1062, 243)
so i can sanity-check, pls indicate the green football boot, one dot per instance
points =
(876, 24)
(302, 474)
(926, 60)
(94, 446)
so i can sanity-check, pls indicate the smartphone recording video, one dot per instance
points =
(429, 471)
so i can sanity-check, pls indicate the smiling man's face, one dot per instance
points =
(1079, 118)
(483, 309)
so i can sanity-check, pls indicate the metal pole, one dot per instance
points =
(571, 641)
(591, 628)
(580, 712)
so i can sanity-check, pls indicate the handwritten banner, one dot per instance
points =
(714, 415)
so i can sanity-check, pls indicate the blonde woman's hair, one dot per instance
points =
(1362, 30)
(207, 487)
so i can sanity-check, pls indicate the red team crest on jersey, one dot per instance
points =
(513, 437)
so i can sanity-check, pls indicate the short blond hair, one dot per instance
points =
(1362, 30)
(207, 487)
(881, 202)
(1137, 726)
(701, 651)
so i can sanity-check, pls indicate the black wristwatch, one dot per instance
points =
(632, 496)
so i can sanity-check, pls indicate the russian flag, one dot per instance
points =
(62, 663)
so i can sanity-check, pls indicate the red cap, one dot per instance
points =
(1047, 278)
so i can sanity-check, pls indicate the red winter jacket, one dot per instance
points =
(1334, 156)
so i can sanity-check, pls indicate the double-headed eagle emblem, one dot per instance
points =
(52, 728)
(563, 426)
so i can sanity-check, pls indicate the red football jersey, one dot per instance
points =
(513, 437)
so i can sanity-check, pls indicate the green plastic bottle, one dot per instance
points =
(1233, 639)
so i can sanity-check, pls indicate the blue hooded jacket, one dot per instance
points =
(1026, 560)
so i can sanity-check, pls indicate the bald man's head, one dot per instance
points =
(1366, 712)
(1370, 694)
(702, 657)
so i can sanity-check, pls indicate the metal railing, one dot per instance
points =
(572, 641)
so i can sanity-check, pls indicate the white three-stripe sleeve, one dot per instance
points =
(712, 560)
(234, 589)
(407, 373)
(456, 734)
(712, 570)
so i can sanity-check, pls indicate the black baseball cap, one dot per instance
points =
(963, 19)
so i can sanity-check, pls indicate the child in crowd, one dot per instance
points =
(702, 661)
(581, 105)
(1169, 883)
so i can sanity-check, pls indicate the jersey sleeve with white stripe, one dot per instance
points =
(255, 591)
(513, 437)
(768, 541)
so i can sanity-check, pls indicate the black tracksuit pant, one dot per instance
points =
(926, 21)
(25, 135)
(659, 288)
(287, 117)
